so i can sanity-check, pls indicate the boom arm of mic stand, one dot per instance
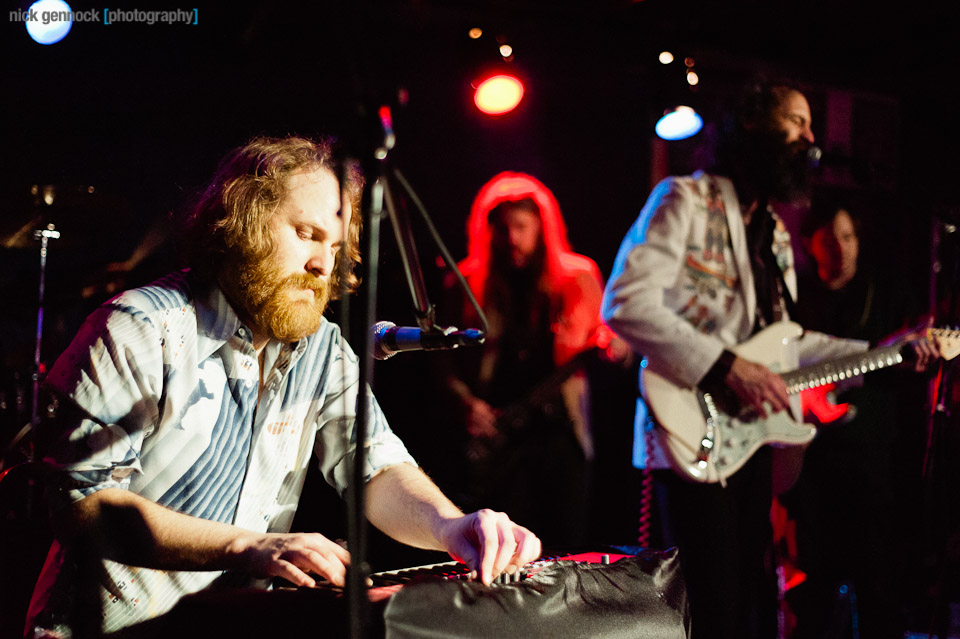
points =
(423, 309)
(438, 241)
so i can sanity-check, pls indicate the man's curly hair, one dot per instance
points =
(233, 212)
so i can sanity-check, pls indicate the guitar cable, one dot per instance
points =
(646, 488)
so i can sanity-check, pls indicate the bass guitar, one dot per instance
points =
(705, 443)
(542, 400)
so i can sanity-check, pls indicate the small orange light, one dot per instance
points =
(498, 94)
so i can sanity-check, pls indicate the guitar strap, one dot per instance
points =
(785, 296)
(867, 306)
(773, 295)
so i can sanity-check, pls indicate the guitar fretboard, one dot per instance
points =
(843, 368)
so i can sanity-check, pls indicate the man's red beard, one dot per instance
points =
(275, 304)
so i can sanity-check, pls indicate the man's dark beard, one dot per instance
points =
(504, 276)
(502, 262)
(774, 169)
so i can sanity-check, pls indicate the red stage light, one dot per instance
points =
(498, 94)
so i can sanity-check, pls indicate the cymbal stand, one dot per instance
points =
(44, 235)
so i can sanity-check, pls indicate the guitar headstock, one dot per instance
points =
(949, 340)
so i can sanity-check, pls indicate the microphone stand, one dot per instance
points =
(358, 606)
(939, 478)
(380, 200)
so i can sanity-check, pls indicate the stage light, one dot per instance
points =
(692, 78)
(506, 50)
(678, 124)
(50, 31)
(666, 57)
(475, 33)
(498, 94)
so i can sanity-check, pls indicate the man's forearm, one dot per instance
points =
(130, 529)
(405, 504)
(127, 528)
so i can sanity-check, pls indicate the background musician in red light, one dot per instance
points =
(523, 395)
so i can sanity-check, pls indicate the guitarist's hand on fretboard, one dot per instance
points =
(756, 385)
(926, 351)
(924, 347)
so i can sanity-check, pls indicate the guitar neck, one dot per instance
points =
(842, 368)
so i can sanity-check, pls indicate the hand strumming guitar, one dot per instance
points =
(755, 384)
(481, 418)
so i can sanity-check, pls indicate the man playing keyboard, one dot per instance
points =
(190, 409)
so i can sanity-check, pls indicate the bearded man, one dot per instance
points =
(190, 409)
(706, 265)
(524, 395)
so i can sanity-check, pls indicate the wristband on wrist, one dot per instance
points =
(717, 374)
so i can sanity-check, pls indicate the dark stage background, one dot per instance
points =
(143, 112)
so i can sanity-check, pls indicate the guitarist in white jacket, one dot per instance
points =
(706, 265)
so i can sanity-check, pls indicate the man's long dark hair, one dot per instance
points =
(751, 150)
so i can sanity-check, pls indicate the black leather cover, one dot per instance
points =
(637, 597)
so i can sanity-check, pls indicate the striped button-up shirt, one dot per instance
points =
(159, 396)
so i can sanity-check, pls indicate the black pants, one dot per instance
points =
(726, 550)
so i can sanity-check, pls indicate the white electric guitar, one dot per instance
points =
(705, 444)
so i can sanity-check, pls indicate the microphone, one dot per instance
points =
(388, 339)
(817, 158)
(814, 155)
